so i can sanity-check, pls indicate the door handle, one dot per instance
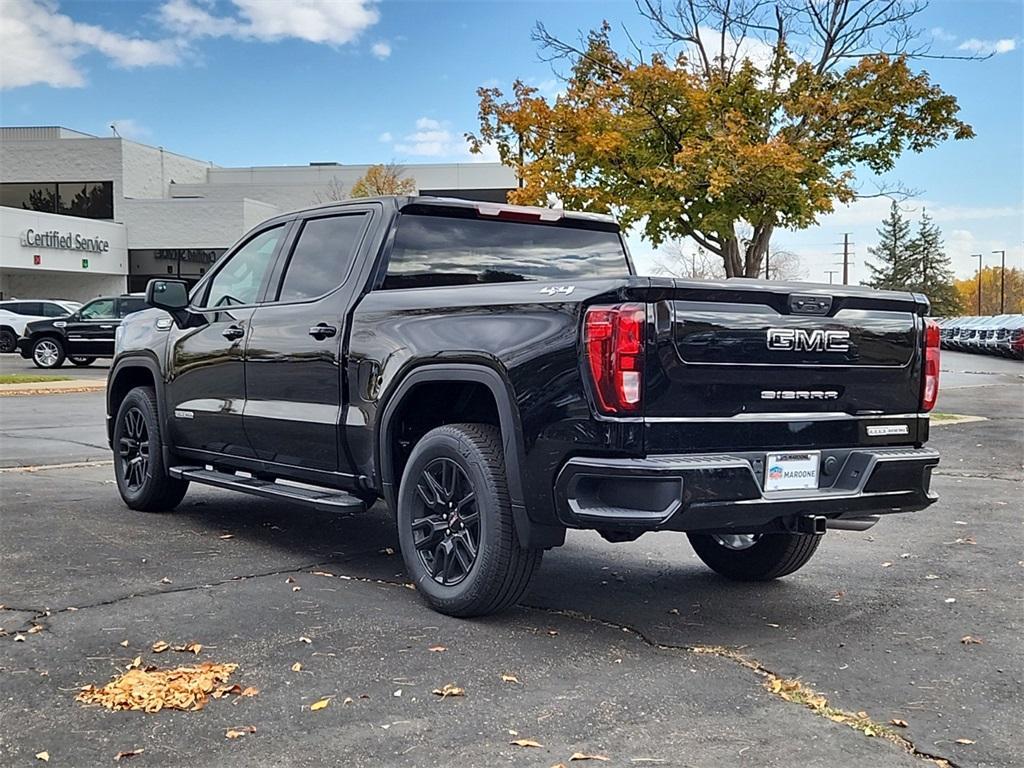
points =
(233, 332)
(322, 331)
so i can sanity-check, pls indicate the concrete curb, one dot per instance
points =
(53, 387)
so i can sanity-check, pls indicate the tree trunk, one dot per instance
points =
(746, 259)
(731, 256)
(756, 250)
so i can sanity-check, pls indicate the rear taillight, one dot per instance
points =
(613, 340)
(930, 390)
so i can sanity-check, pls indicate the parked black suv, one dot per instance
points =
(500, 374)
(82, 336)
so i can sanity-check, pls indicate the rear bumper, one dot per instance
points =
(723, 492)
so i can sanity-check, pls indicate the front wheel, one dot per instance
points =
(455, 523)
(81, 362)
(754, 557)
(139, 469)
(48, 352)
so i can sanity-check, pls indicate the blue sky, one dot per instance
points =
(258, 82)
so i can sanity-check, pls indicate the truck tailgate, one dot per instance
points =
(748, 347)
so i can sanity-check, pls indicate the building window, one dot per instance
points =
(85, 199)
(29, 197)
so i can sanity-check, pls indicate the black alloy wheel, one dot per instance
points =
(133, 448)
(446, 522)
(455, 523)
(139, 468)
(8, 341)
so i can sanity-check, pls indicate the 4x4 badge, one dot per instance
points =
(551, 290)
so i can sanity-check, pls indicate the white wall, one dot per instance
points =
(290, 188)
(13, 254)
(191, 223)
(149, 170)
(63, 160)
(28, 284)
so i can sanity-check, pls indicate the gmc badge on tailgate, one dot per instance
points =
(800, 340)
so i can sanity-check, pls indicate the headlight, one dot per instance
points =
(118, 334)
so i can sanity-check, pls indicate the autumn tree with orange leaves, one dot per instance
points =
(723, 129)
(383, 180)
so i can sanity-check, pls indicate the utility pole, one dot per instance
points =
(767, 261)
(830, 273)
(846, 258)
(1002, 282)
(978, 257)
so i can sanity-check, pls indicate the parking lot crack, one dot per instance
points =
(791, 690)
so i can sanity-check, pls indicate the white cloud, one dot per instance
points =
(938, 33)
(434, 139)
(385, 138)
(335, 22)
(40, 45)
(381, 50)
(988, 47)
(130, 128)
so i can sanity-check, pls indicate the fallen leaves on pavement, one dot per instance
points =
(581, 756)
(319, 704)
(44, 756)
(449, 689)
(297, 666)
(898, 723)
(971, 640)
(509, 679)
(128, 753)
(526, 743)
(437, 649)
(152, 689)
(237, 733)
(965, 741)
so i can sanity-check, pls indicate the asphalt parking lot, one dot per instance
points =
(631, 651)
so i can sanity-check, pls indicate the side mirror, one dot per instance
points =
(170, 296)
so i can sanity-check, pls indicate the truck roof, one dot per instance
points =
(402, 202)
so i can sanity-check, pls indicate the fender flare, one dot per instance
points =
(531, 534)
(137, 360)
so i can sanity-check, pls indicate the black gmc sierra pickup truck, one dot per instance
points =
(500, 374)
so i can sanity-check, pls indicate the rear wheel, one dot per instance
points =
(139, 469)
(455, 523)
(48, 352)
(754, 557)
(82, 361)
(8, 341)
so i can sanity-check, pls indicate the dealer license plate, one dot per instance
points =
(791, 471)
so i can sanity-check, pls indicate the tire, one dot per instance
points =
(139, 470)
(48, 352)
(81, 362)
(767, 557)
(467, 464)
(8, 341)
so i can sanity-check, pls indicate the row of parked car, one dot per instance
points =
(51, 331)
(993, 334)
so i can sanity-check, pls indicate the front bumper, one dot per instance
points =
(723, 492)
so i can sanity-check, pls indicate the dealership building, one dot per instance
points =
(84, 216)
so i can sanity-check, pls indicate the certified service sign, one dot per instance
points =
(64, 241)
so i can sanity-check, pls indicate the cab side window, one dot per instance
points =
(101, 309)
(238, 281)
(322, 256)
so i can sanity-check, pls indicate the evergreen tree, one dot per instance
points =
(896, 268)
(934, 276)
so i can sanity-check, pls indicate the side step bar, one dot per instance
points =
(322, 499)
